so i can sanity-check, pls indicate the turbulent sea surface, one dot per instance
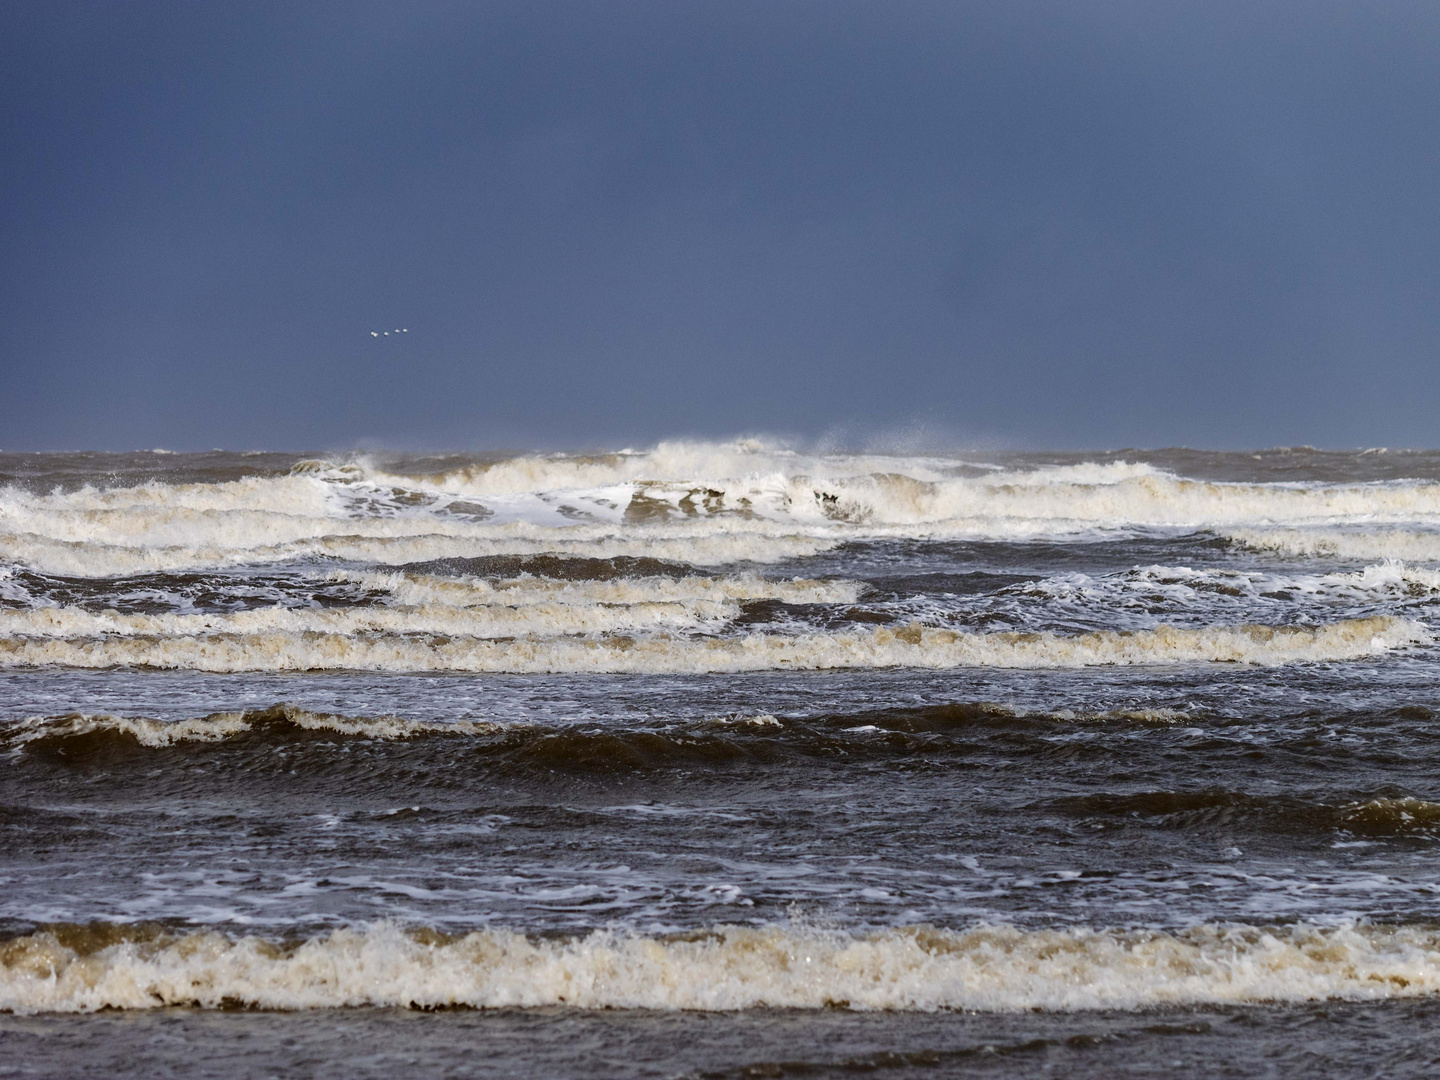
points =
(720, 760)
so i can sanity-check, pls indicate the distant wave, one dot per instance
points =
(702, 504)
(993, 968)
(608, 563)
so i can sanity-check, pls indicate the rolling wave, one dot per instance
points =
(1205, 810)
(111, 741)
(274, 726)
(1355, 543)
(229, 643)
(992, 968)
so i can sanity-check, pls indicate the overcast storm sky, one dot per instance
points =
(1033, 224)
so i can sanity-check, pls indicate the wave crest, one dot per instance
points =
(911, 646)
(705, 504)
(728, 967)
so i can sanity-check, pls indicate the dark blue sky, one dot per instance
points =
(1046, 224)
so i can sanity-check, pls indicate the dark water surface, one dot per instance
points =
(720, 761)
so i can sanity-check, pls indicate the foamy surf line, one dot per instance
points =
(662, 653)
(989, 968)
(1350, 544)
(423, 604)
(412, 542)
(708, 504)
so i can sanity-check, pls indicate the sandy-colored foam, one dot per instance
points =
(918, 968)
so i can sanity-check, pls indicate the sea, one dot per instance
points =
(725, 759)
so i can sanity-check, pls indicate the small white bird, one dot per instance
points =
(374, 334)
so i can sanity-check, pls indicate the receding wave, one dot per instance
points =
(911, 646)
(993, 968)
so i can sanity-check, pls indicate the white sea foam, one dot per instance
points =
(696, 479)
(700, 503)
(1403, 545)
(1187, 587)
(151, 733)
(492, 621)
(995, 968)
(469, 606)
(913, 646)
(1389, 576)
(762, 465)
(417, 541)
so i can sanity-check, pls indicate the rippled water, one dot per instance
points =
(1140, 740)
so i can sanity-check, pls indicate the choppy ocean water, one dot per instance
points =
(715, 758)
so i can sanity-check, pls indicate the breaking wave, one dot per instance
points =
(413, 541)
(695, 479)
(703, 504)
(993, 968)
(1396, 545)
(228, 644)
